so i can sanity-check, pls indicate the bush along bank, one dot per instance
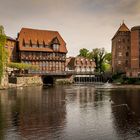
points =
(120, 78)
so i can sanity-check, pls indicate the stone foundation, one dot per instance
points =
(25, 81)
(64, 81)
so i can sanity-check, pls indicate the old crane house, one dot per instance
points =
(43, 48)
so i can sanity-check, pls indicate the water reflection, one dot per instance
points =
(126, 113)
(33, 113)
(69, 113)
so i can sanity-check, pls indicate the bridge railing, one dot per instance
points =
(59, 73)
(80, 72)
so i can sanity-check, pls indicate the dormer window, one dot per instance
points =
(27, 45)
(40, 45)
(34, 45)
(55, 44)
(55, 47)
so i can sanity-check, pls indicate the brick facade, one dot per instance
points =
(121, 50)
(126, 51)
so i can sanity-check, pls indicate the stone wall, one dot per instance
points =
(68, 80)
(4, 81)
(25, 81)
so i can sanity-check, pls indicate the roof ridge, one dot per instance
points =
(26, 28)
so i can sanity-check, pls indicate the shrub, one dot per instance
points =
(22, 66)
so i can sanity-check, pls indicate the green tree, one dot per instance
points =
(98, 55)
(102, 59)
(3, 52)
(108, 58)
(84, 53)
(2, 30)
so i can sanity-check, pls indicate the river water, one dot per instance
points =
(70, 113)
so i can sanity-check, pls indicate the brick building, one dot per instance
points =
(42, 48)
(121, 49)
(126, 51)
(134, 70)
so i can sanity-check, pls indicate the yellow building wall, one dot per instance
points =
(10, 46)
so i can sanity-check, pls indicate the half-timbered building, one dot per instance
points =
(43, 48)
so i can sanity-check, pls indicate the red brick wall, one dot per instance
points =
(135, 49)
(121, 46)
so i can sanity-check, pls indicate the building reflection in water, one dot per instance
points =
(32, 112)
(126, 112)
(69, 112)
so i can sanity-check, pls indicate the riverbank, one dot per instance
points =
(111, 86)
(9, 86)
(15, 82)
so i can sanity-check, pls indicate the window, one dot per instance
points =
(40, 45)
(119, 62)
(27, 45)
(53, 54)
(127, 54)
(55, 47)
(120, 54)
(34, 45)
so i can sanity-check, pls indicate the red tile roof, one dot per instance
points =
(40, 36)
(79, 61)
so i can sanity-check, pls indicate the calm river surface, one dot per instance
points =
(70, 113)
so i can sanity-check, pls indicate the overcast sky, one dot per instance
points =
(81, 23)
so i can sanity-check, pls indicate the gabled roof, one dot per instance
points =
(122, 28)
(70, 62)
(79, 61)
(40, 36)
(55, 41)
